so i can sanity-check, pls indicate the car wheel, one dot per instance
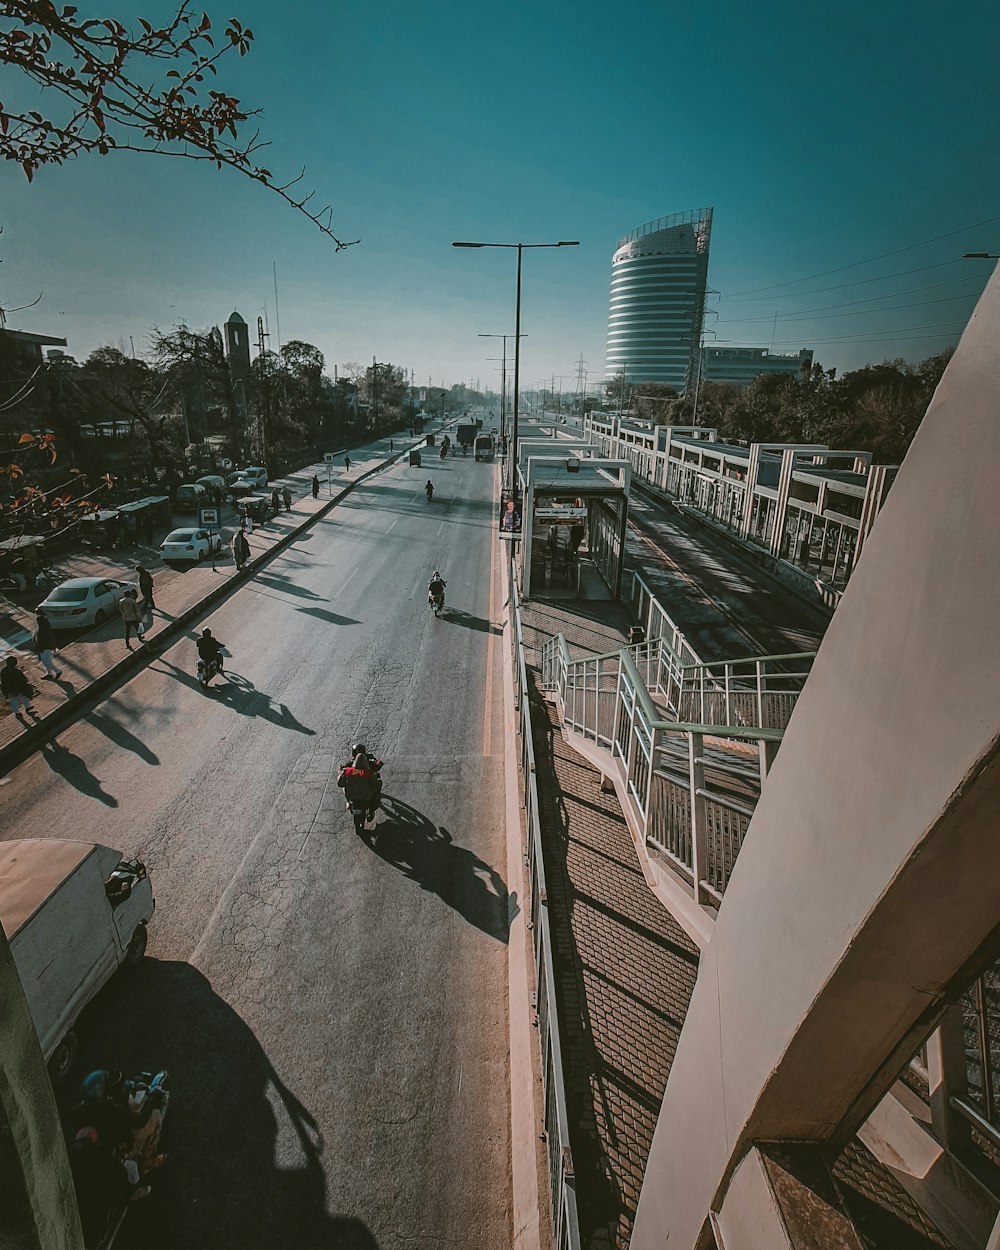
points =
(100, 616)
(201, 556)
(63, 1058)
(137, 946)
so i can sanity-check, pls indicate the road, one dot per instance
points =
(333, 1010)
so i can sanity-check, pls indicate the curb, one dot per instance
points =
(16, 752)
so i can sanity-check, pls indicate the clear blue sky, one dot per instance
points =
(822, 136)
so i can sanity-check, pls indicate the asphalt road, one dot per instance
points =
(332, 1010)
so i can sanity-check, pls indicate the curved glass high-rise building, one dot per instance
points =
(659, 275)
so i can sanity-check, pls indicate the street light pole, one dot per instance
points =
(517, 339)
(503, 387)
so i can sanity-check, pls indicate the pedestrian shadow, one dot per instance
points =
(324, 615)
(231, 1116)
(427, 854)
(75, 772)
(117, 733)
(470, 622)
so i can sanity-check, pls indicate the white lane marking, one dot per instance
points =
(439, 529)
(352, 573)
(392, 526)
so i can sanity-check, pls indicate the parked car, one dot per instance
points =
(191, 544)
(190, 497)
(82, 601)
(256, 474)
(215, 485)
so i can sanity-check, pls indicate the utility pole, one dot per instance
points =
(264, 410)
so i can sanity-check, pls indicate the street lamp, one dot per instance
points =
(517, 338)
(503, 389)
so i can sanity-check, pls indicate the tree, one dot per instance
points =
(101, 94)
(195, 362)
(122, 386)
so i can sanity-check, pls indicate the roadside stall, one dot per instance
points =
(100, 529)
(150, 512)
(21, 558)
(256, 507)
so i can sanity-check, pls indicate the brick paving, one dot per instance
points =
(625, 970)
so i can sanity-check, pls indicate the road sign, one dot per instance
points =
(208, 518)
(328, 457)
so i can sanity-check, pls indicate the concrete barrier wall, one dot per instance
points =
(867, 880)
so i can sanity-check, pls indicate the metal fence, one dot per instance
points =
(562, 1186)
(692, 785)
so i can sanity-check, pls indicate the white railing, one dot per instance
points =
(562, 1186)
(760, 690)
(692, 785)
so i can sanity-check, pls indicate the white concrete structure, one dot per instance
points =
(865, 896)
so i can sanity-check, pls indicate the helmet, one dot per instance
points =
(358, 748)
(435, 574)
(206, 633)
(95, 1086)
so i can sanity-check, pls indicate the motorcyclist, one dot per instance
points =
(210, 649)
(435, 587)
(360, 779)
(429, 490)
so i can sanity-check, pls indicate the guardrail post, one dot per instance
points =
(699, 815)
(766, 751)
(760, 694)
(947, 1075)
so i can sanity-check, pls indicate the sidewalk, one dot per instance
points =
(92, 656)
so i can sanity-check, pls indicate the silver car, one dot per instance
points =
(83, 601)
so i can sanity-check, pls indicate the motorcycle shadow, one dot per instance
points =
(427, 854)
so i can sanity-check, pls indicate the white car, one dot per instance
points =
(189, 545)
(255, 474)
(82, 601)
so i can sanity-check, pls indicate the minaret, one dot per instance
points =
(237, 346)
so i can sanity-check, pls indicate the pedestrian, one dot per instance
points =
(128, 606)
(315, 487)
(129, 526)
(145, 587)
(241, 550)
(45, 644)
(390, 444)
(14, 685)
(247, 521)
(347, 463)
(275, 501)
(286, 495)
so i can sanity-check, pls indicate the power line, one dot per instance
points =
(946, 327)
(842, 286)
(860, 312)
(869, 260)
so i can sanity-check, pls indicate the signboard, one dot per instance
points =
(510, 516)
(208, 518)
(561, 516)
(328, 457)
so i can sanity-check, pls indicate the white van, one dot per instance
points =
(73, 912)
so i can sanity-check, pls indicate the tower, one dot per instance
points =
(237, 346)
(659, 276)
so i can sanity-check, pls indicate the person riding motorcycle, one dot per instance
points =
(360, 779)
(435, 588)
(429, 490)
(210, 649)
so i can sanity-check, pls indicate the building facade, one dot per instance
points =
(659, 276)
(742, 364)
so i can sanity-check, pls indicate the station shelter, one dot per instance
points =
(574, 510)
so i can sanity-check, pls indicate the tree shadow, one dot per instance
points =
(73, 770)
(117, 733)
(280, 581)
(229, 1108)
(427, 855)
(470, 622)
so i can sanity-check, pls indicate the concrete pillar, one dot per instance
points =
(865, 893)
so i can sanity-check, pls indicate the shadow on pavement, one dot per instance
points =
(72, 769)
(117, 733)
(281, 581)
(240, 694)
(231, 1117)
(459, 617)
(427, 855)
(332, 617)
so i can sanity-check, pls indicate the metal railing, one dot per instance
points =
(760, 690)
(562, 1187)
(693, 785)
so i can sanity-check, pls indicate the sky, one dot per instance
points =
(849, 151)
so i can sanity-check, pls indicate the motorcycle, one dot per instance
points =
(436, 601)
(48, 577)
(206, 671)
(141, 1091)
